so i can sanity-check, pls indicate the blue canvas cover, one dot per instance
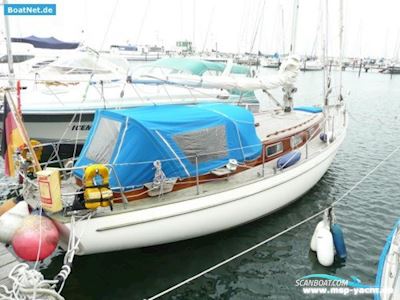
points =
(132, 139)
(310, 109)
(45, 43)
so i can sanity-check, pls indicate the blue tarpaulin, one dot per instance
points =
(132, 139)
(46, 43)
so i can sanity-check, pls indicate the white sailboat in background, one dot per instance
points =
(311, 65)
(133, 53)
(60, 102)
(311, 61)
(31, 54)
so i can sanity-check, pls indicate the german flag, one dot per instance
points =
(11, 139)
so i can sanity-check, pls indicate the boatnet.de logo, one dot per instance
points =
(30, 9)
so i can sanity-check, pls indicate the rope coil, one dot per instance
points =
(29, 284)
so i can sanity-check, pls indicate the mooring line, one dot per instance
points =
(276, 235)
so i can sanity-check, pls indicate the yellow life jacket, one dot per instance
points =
(96, 195)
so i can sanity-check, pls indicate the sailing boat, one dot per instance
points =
(388, 275)
(31, 54)
(55, 111)
(311, 61)
(311, 64)
(160, 174)
(210, 168)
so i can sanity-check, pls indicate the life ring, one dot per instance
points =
(92, 171)
(37, 148)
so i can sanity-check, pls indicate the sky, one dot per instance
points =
(371, 27)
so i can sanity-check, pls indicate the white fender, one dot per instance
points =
(325, 247)
(313, 243)
(12, 220)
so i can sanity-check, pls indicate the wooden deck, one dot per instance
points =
(7, 262)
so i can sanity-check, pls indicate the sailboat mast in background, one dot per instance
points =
(289, 90)
(292, 49)
(11, 76)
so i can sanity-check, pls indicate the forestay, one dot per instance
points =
(177, 135)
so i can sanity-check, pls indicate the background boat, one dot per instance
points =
(388, 274)
(58, 106)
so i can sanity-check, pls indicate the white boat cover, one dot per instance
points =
(286, 77)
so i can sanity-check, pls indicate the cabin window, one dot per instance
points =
(312, 130)
(274, 149)
(103, 141)
(296, 140)
(207, 144)
(211, 73)
(74, 70)
(16, 58)
(42, 64)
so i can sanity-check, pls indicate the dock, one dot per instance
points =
(7, 262)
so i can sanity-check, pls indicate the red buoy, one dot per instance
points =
(35, 234)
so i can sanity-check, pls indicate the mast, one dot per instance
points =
(283, 30)
(11, 76)
(194, 26)
(326, 58)
(290, 89)
(258, 25)
(292, 49)
(11, 80)
(341, 48)
(323, 42)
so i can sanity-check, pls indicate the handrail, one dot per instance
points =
(183, 157)
(196, 156)
(195, 182)
(167, 159)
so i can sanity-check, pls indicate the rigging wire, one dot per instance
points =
(258, 24)
(209, 27)
(88, 82)
(109, 25)
(278, 234)
(243, 25)
(143, 20)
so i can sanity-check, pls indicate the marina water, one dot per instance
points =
(366, 215)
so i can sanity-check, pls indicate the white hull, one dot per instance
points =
(54, 130)
(204, 214)
(69, 119)
(311, 66)
(389, 274)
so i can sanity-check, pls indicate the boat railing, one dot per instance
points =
(197, 179)
(310, 152)
(54, 157)
(177, 158)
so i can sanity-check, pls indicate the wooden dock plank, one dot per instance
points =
(5, 270)
(6, 258)
(3, 250)
(7, 262)
(6, 282)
